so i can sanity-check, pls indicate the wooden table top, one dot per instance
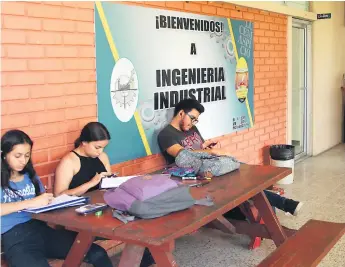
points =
(227, 191)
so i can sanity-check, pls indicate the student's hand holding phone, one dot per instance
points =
(209, 144)
(98, 177)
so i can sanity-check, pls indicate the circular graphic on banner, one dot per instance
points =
(124, 90)
(241, 80)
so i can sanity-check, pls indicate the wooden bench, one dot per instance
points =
(111, 246)
(307, 247)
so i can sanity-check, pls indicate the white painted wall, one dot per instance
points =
(328, 45)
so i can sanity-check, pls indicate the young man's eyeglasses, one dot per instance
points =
(193, 119)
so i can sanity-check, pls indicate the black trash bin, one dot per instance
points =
(283, 156)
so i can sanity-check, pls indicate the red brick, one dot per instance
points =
(47, 116)
(156, 3)
(59, 152)
(195, 7)
(264, 26)
(46, 168)
(254, 141)
(72, 136)
(9, 36)
(269, 47)
(14, 121)
(48, 142)
(13, 64)
(248, 16)
(35, 131)
(274, 40)
(269, 19)
(39, 156)
(78, 39)
(87, 52)
(81, 112)
(80, 14)
(278, 20)
(278, 34)
(25, 106)
(79, 64)
(269, 129)
(43, 11)
(61, 127)
(269, 61)
(265, 67)
(80, 88)
(264, 137)
(223, 12)
(45, 64)
(264, 54)
(237, 138)
(64, 77)
(85, 27)
(235, 14)
(176, 5)
(59, 25)
(81, 4)
(25, 51)
(264, 40)
(25, 78)
(61, 102)
(13, 8)
(269, 34)
(259, 132)
(90, 99)
(84, 121)
(274, 27)
(248, 136)
(242, 145)
(46, 91)
(21, 22)
(87, 76)
(62, 51)
(274, 134)
(259, 17)
(44, 38)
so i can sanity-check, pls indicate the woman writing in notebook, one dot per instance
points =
(82, 169)
(28, 242)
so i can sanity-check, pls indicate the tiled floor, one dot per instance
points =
(318, 181)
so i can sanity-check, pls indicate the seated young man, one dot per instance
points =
(182, 133)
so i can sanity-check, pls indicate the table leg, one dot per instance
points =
(163, 255)
(131, 256)
(271, 221)
(223, 225)
(79, 249)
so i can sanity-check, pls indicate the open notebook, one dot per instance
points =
(59, 202)
(107, 183)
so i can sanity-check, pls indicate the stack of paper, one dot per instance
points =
(62, 201)
(114, 182)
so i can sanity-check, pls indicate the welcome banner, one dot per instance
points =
(147, 60)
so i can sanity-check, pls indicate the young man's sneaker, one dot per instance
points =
(293, 207)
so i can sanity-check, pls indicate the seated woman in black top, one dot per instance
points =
(82, 169)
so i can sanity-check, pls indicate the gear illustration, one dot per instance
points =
(125, 91)
(227, 45)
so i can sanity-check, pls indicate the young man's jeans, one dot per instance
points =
(30, 244)
(276, 201)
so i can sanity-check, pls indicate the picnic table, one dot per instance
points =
(159, 235)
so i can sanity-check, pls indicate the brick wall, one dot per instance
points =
(49, 89)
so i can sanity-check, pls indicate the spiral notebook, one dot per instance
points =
(59, 202)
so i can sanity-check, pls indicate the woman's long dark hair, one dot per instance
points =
(8, 141)
(93, 131)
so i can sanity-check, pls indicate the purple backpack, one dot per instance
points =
(151, 196)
